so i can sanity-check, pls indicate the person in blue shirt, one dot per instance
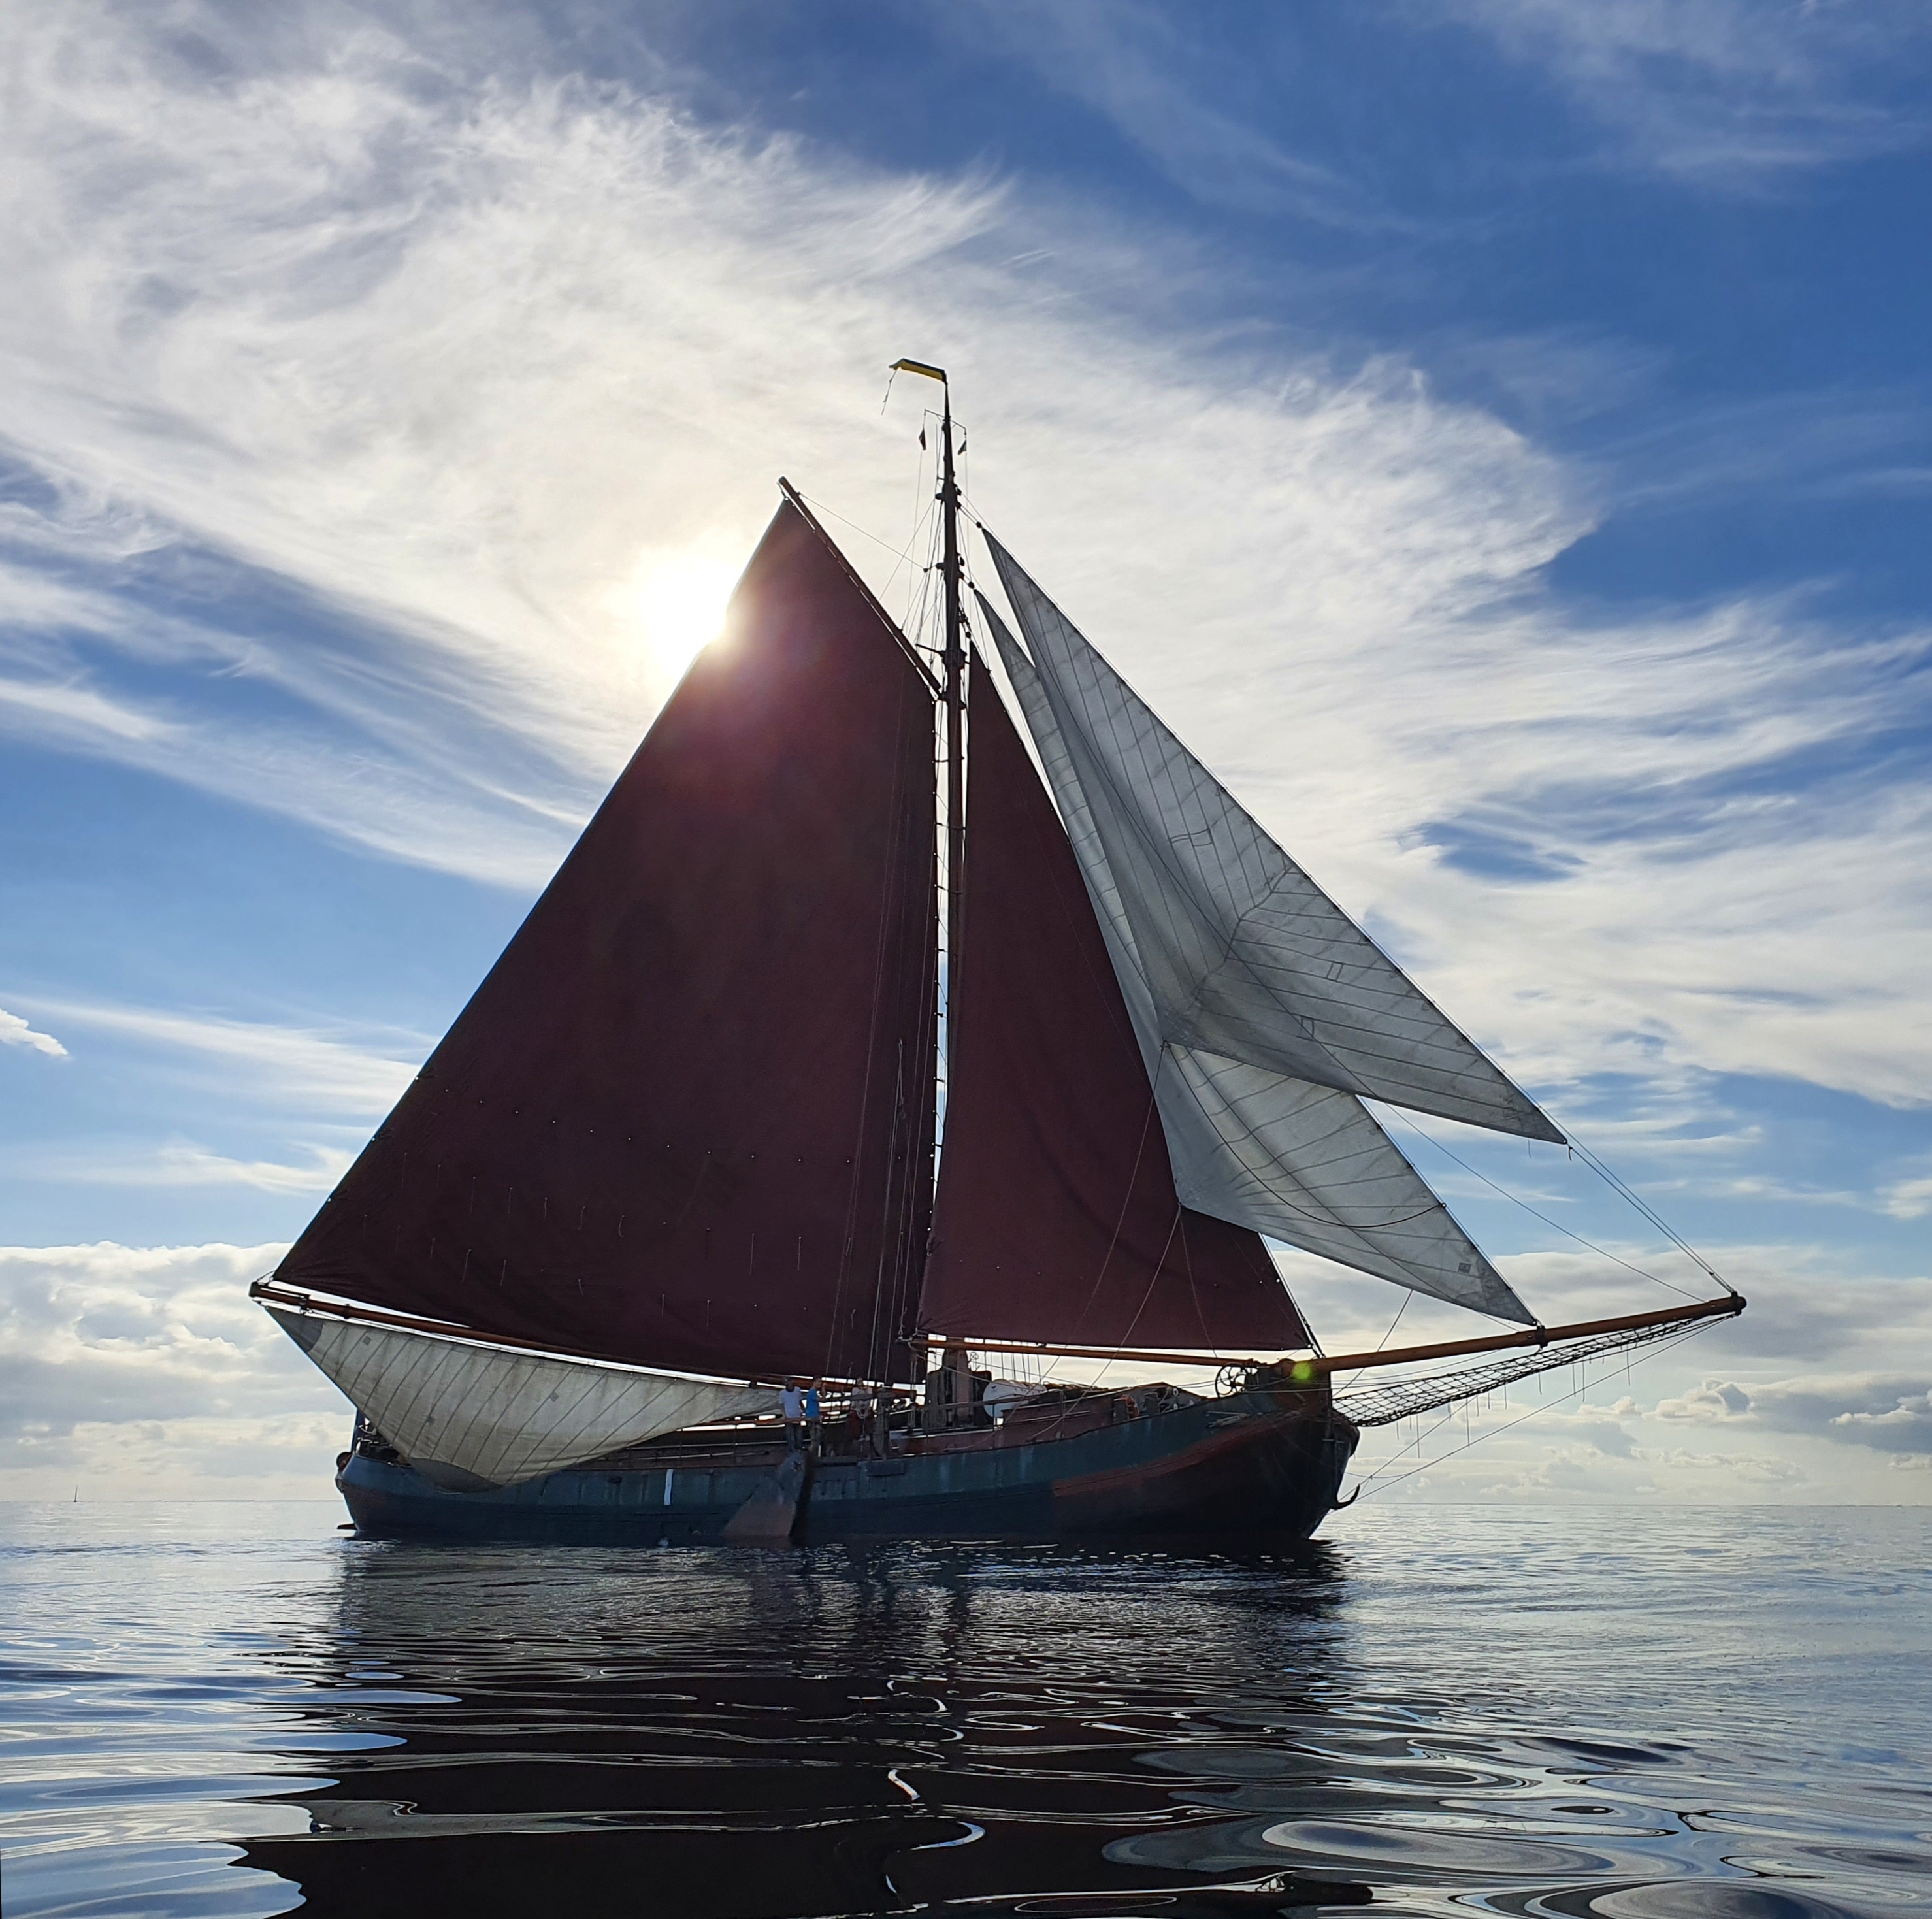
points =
(811, 1418)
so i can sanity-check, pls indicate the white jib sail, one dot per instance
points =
(1246, 957)
(473, 1417)
(1305, 1164)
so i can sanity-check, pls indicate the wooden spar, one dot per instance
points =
(955, 722)
(1327, 1362)
(950, 687)
(972, 1345)
(1534, 1335)
(276, 1292)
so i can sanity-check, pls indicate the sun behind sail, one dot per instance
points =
(686, 1121)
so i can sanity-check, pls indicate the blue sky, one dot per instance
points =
(1496, 435)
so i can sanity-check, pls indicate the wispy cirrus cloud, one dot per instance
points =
(1910, 1198)
(1153, 75)
(304, 1067)
(1726, 93)
(358, 378)
(184, 1163)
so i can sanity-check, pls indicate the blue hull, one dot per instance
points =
(1259, 1465)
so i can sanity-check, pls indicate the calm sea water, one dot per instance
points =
(1641, 1713)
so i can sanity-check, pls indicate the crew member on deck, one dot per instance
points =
(811, 1419)
(791, 1403)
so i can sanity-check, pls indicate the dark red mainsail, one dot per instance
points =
(686, 1121)
(1057, 1218)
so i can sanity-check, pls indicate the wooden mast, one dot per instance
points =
(955, 676)
(953, 692)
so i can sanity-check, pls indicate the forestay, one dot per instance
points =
(471, 1417)
(1245, 957)
(1299, 1160)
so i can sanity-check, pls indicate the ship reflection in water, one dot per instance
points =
(828, 1732)
(1050, 1731)
(1639, 1714)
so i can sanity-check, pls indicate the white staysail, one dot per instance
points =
(1309, 1165)
(471, 1417)
(1245, 957)
(1303, 1163)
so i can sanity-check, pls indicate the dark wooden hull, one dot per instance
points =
(1260, 1464)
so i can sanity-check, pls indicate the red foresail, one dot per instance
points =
(1057, 1218)
(686, 1119)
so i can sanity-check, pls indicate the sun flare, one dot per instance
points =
(677, 598)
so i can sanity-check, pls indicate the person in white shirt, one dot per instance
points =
(791, 1403)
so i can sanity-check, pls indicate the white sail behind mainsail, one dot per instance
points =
(1303, 1163)
(472, 1417)
(1245, 957)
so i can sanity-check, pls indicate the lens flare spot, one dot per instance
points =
(677, 597)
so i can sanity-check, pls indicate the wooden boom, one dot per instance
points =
(1329, 1363)
(1534, 1335)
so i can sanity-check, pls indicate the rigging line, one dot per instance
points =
(1496, 1432)
(1379, 1344)
(813, 500)
(1617, 1184)
(1602, 1252)
(1158, 1264)
(901, 558)
(905, 559)
(1194, 1294)
(1415, 1445)
(916, 621)
(925, 498)
(1121, 1219)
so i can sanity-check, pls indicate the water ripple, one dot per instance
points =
(233, 1711)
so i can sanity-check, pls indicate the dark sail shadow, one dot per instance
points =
(826, 1731)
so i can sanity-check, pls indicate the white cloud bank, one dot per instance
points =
(147, 1372)
(1816, 1396)
(136, 1372)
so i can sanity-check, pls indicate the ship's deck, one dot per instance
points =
(1064, 1414)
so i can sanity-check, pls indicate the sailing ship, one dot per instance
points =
(687, 1145)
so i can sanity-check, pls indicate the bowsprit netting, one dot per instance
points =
(1384, 1405)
